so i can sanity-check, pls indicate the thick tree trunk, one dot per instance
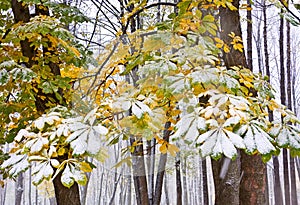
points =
(227, 187)
(21, 13)
(139, 174)
(66, 195)
(230, 22)
(252, 192)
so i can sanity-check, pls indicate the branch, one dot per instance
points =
(144, 8)
(287, 8)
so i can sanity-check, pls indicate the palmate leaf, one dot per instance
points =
(286, 135)
(71, 174)
(15, 164)
(85, 136)
(43, 170)
(256, 139)
(220, 141)
(189, 126)
(178, 83)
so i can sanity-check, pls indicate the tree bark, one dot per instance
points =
(252, 192)
(277, 185)
(65, 195)
(139, 174)
(178, 180)
(227, 188)
(21, 13)
(205, 182)
(283, 101)
(249, 36)
(184, 181)
(253, 180)
(161, 168)
(289, 101)
(19, 189)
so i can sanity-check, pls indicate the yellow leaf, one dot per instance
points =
(86, 167)
(61, 151)
(226, 48)
(173, 149)
(163, 148)
(248, 84)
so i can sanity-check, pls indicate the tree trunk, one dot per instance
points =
(21, 13)
(161, 168)
(19, 189)
(66, 195)
(151, 167)
(227, 187)
(249, 36)
(166, 189)
(253, 180)
(252, 192)
(283, 101)
(277, 185)
(139, 174)
(178, 180)
(184, 180)
(289, 101)
(205, 182)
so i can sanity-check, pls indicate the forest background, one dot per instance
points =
(147, 102)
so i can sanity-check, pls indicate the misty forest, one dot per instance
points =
(148, 102)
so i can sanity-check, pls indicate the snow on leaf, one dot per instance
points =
(67, 178)
(231, 121)
(79, 145)
(100, 129)
(188, 126)
(22, 133)
(235, 139)
(15, 164)
(227, 145)
(90, 117)
(178, 83)
(138, 108)
(94, 142)
(137, 111)
(257, 139)
(289, 136)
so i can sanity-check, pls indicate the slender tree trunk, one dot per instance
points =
(151, 167)
(178, 180)
(289, 101)
(19, 189)
(277, 185)
(204, 181)
(166, 189)
(283, 101)
(184, 180)
(249, 36)
(161, 168)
